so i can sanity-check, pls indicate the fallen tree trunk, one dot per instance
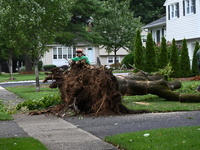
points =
(88, 90)
(97, 91)
(160, 87)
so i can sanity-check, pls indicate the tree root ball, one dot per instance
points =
(88, 90)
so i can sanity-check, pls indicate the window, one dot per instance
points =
(111, 59)
(54, 53)
(63, 52)
(189, 7)
(193, 6)
(173, 11)
(158, 36)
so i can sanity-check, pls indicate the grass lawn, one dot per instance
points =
(28, 92)
(20, 77)
(179, 138)
(21, 143)
(149, 102)
(3, 114)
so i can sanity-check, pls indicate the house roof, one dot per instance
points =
(159, 22)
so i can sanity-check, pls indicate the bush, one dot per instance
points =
(128, 60)
(40, 64)
(166, 72)
(43, 103)
(48, 67)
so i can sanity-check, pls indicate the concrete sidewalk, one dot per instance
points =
(53, 132)
(57, 134)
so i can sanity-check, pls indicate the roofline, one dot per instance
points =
(154, 25)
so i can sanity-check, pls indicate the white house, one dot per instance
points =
(59, 54)
(182, 21)
(157, 29)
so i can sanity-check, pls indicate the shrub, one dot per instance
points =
(128, 60)
(138, 51)
(48, 67)
(174, 60)
(150, 55)
(194, 60)
(40, 64)
(43, 103)
(185, 61)
(163, 55)
(166, 72)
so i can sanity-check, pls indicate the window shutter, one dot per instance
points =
(178, 10)
(168, 12)
(183, 7)
(194, 2)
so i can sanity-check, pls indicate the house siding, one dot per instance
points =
(121, 51)
(185, 26)
(98, 52)
(48, 57)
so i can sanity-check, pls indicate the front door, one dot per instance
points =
(90, 54)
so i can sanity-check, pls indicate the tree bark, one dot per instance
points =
(37, 79)
(10, 65)
(28, 63)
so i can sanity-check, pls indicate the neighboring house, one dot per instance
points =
(182, 21)
(157, 29)
(59, 54)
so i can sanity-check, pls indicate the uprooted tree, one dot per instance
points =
(97, 91)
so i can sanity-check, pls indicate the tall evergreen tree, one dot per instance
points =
(138, 51)
(194, 60)
(174, 60)
(185, 60)
(150, 55)
(163, 56)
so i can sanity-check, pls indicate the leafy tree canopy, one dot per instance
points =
(76, 30)
(117, 27)
(148, 10)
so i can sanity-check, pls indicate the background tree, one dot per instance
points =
(8, 32)
(117, 27)
(80, 26)
(150, 55)
(174, 60)
(163, 55)
(138, 51)
(34, 24)
(194, 60)
(148, 10)
(185, 60)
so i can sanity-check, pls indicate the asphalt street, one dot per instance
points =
(111, 125)
(20, 83)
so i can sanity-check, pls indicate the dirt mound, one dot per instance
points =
(87, 90)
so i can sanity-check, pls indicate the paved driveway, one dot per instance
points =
(105, 126)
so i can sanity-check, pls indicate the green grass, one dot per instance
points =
(3, 114)
(28, 92)
(179, 138)
(21, 143)
(121, 71)
(154, 103)
(20, 77)
(149, 102)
